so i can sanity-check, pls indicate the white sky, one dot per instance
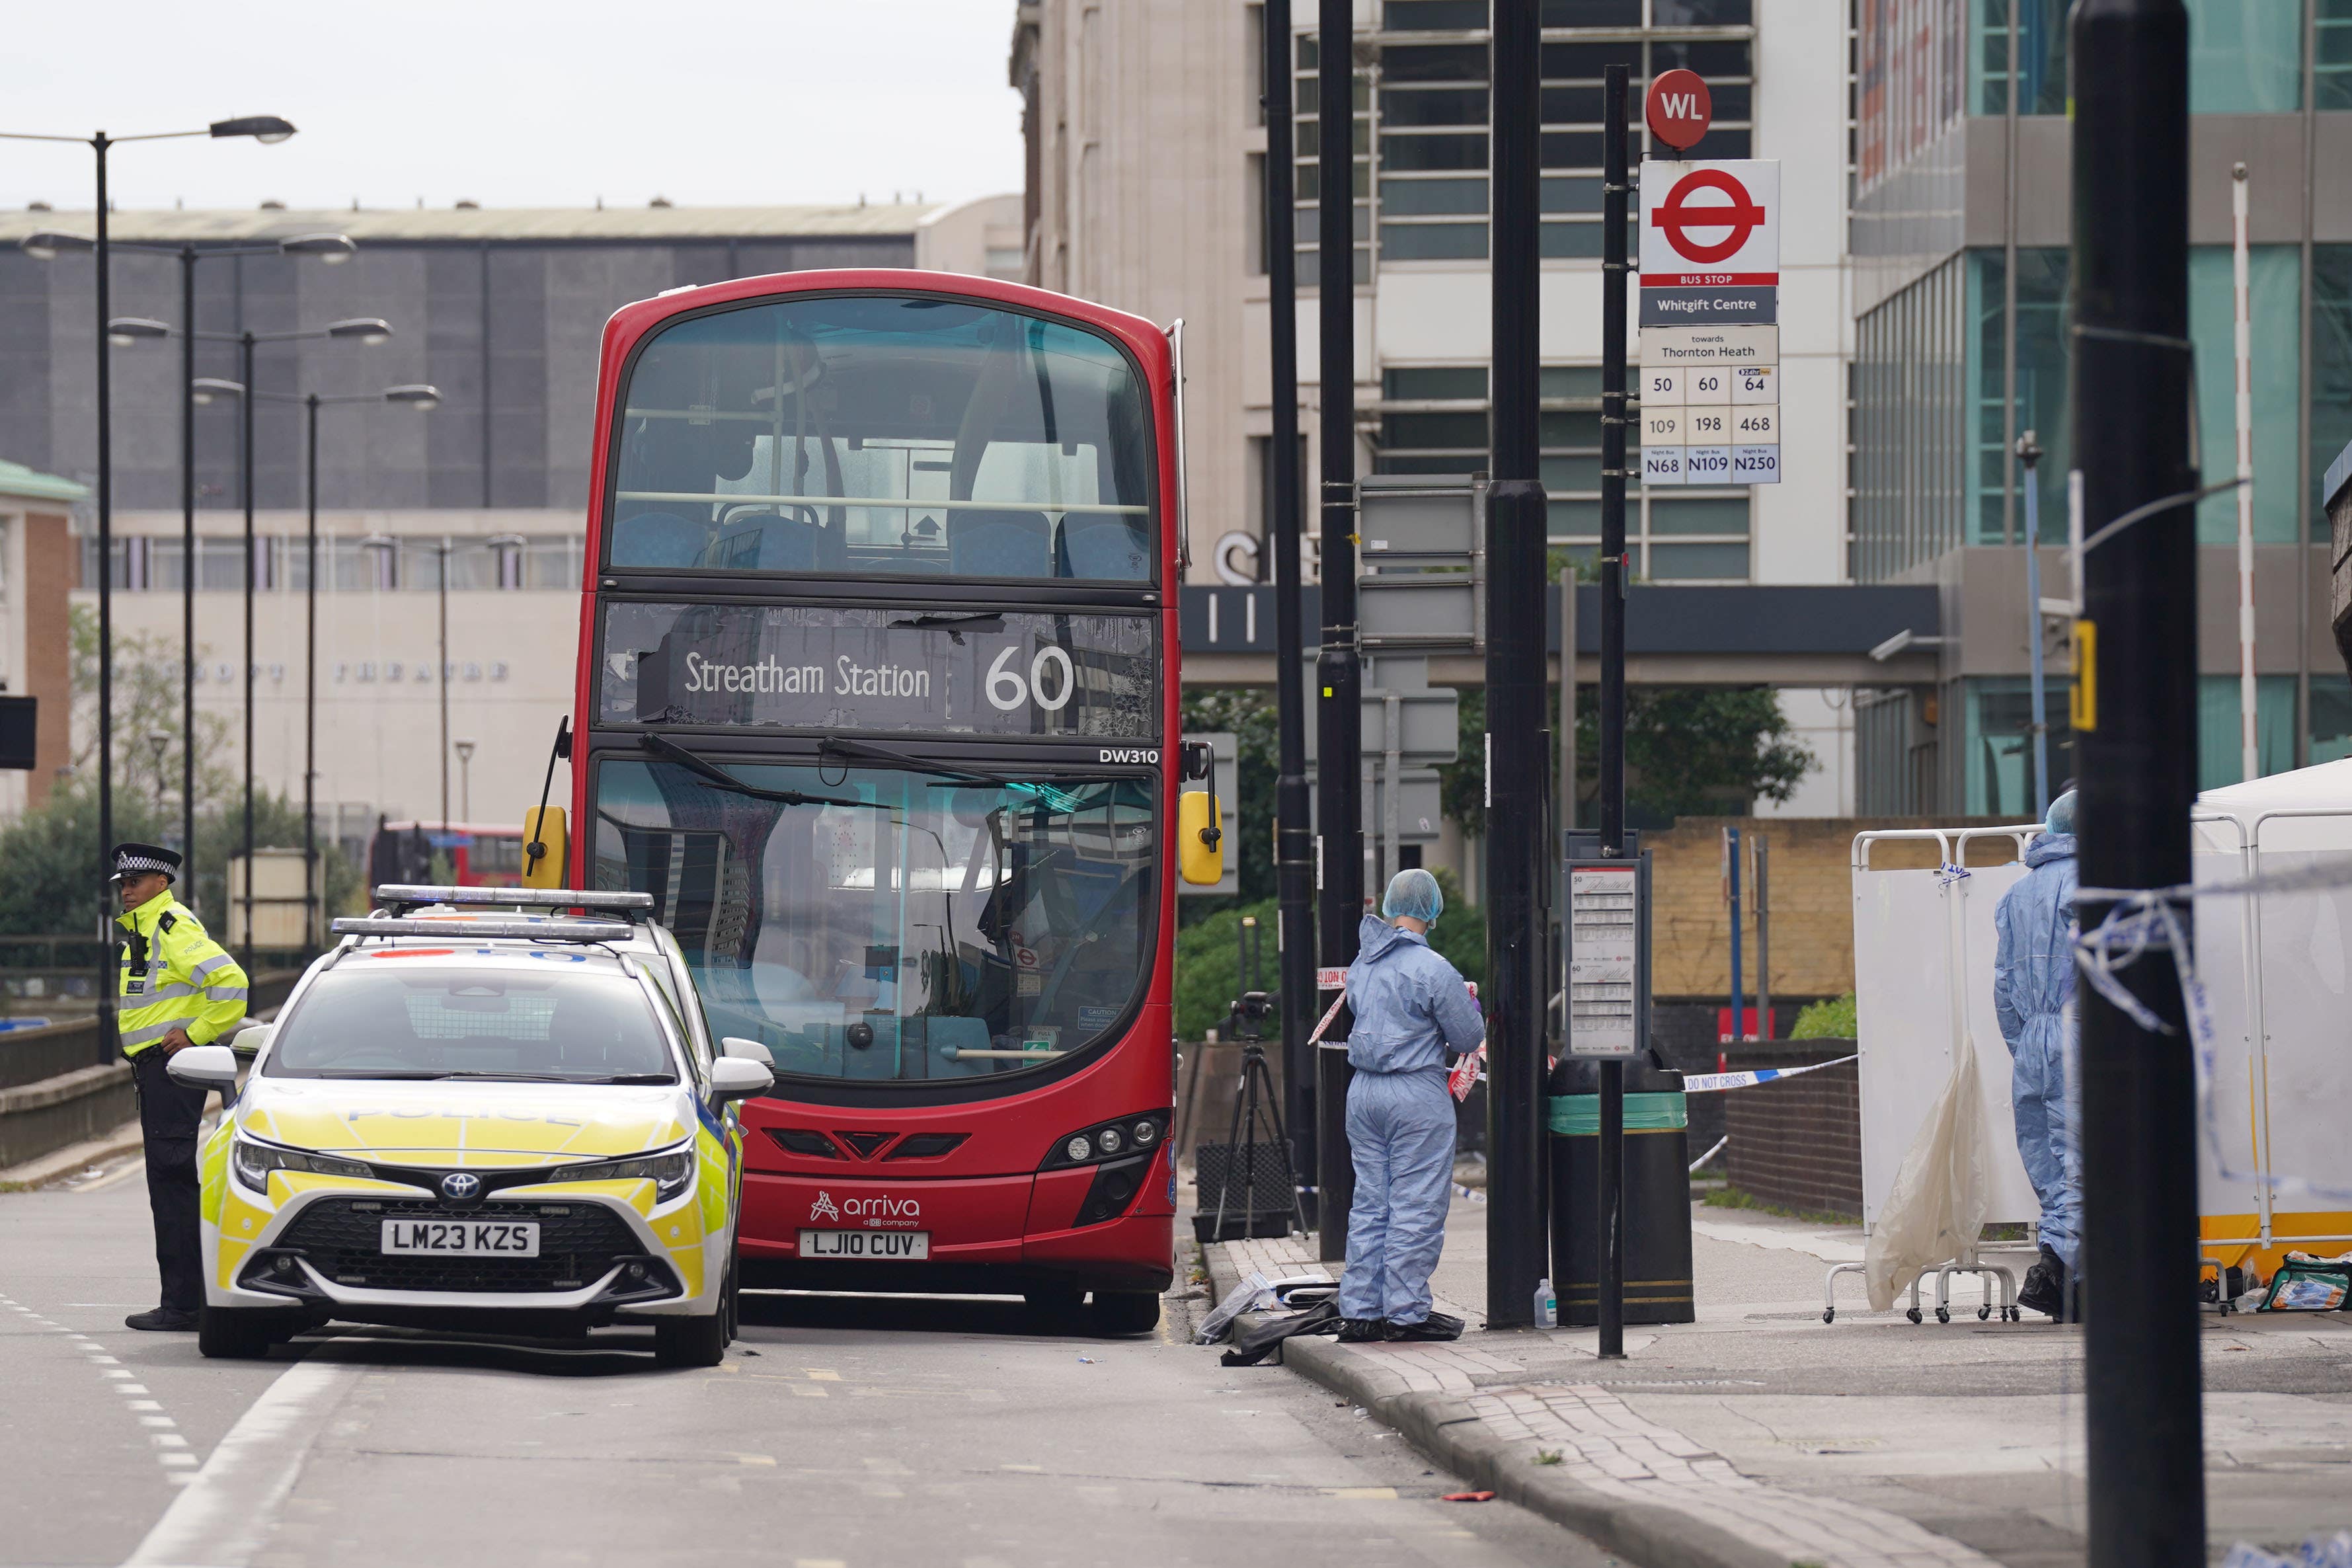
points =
(516, 102)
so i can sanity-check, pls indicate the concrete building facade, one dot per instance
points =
(503, 311)
(1147, 150)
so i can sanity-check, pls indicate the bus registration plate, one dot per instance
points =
(888, 1244)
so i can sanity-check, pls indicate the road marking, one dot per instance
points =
(814, 1375)
(1362, 1494)
(231, 1504)
(767, 1459)
(805, 1391)
(169, 1445)
(1029, 1469)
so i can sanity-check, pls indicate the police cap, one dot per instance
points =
(130, 859)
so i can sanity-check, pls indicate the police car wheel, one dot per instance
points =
(1124, 1311)
(691, 1342)
(231, 1333)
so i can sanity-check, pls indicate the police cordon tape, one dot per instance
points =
(1693, 1083)
(2145, 918)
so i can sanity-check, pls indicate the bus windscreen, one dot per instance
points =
(883, 435)
(893, 926)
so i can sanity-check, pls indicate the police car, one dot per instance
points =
(506, 1121)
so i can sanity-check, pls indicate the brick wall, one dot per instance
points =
(1797, 1141)
(1812, 902)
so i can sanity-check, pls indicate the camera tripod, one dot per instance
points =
(1255, 1103)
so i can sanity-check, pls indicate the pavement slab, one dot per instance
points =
(1760, 1434)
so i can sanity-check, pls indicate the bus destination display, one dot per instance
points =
(787, 666)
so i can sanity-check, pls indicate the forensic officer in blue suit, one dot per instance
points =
(1412, 1015)
(2032, 981)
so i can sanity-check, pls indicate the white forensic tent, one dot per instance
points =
(2274, 965)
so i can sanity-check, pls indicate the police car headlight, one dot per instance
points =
(670, 1172)
(253, 1161)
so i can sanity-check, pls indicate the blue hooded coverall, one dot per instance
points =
(1410, 1008)
(2032, 979)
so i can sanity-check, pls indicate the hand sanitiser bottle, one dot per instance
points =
(1547, 1306)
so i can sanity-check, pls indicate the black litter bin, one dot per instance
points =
(1656, 1190)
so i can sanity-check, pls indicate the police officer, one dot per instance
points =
(178, 987)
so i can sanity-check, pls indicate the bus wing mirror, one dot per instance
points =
(546, 847)
(1199, 839)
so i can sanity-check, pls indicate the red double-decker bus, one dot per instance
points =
(877, 698)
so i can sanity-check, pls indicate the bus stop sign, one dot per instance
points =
(1679, 108)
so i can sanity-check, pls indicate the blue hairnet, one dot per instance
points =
(2061, 814)
(1413, 892)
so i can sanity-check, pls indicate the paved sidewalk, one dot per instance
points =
(1760, 1435)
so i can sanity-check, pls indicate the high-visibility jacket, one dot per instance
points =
(174, 974)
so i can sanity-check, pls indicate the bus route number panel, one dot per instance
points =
(788, 667)
(1604, 960)
(1710, 405)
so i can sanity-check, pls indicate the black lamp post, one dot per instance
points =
(423, 399)
(330, 248)
(263, 128)
(204, 389)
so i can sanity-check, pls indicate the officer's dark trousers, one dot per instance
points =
(169, 1113)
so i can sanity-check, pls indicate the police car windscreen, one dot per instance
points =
(365, 1021)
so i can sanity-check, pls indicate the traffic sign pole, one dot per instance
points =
(1340, 848)
(1294, 866)
(1518, 842)
(1614, 185)
(2132, 399)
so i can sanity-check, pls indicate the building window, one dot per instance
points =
(2331, 718)
(1307, 185)
(1433, 420)
(2245, 57)
(2220, 760)
(2276, 307)
(2331, 54)
(2331, 361)
(1910, 428)
(1997, 758)
(2041, 379)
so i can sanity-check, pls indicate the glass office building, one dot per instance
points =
(1960, 226)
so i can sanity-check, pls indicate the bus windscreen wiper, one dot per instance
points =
(949, 775)
(835, 745)
(717, 777)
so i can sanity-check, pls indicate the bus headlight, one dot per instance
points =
(1132, 1134)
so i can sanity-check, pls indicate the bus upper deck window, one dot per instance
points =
(882, 436)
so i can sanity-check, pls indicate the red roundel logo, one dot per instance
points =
(1734, 219)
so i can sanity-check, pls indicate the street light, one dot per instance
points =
(422, 399)
(204, 389)
(331, 249)
(501, 542)
(464, 779)
(264, 128)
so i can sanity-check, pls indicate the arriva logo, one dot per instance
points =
(823, 1208)
(1127, 754)
(882, 1208)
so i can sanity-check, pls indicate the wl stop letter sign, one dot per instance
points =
(1679, 108)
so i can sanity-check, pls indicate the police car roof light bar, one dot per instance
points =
(534, 927)
(640, 905)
